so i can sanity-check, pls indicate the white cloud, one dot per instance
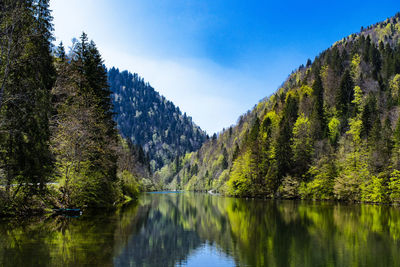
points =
(213, 95)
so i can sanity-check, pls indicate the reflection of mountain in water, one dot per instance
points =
(159, 240)
(190, 228)
(180, 228)
(167, 232)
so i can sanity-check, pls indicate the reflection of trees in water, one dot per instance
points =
(159, 239)
(276, 233)
(62, 241)
(252, 232)
(164, 229)
(171, 230)
(315, 234)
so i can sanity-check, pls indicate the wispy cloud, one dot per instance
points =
(212, 95)
(214, 59)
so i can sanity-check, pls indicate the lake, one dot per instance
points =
(196, 229)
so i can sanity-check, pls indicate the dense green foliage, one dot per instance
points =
(149, 120)
(85, 138)
(26, 78)
(330, 132)
(59, 144)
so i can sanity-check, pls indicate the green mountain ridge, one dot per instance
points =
(331, 131)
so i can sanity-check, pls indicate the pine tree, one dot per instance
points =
(318, 116)
(284, 151)
(368, 115)
(268, 165)
(375, 57)
(225, 158)
(60, 52)
(26, 105)
(236, 152)
(345, 96)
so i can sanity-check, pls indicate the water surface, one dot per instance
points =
(193, 229)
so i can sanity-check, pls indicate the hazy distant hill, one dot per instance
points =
(148, 119)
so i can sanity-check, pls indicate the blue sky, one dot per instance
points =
(215, 59)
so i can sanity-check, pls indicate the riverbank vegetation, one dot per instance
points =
(59, 146)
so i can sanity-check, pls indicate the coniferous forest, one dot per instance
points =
(59, 146)
(150, 121)
(74, 134)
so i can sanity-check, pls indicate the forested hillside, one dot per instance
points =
(331, 131)
(59, 146)
(74, 135)
(150, 121)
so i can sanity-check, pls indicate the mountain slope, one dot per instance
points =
(147, 119)
(331, 131)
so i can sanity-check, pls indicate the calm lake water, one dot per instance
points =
(193, 229)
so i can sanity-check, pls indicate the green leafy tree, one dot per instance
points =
(85, 138)
(355, 67)
(302, 145)
(394, 86)
(394, 186)
(334, 130)
(323, 176)
(353, 167)
(396, 146)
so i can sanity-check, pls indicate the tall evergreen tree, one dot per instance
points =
(26, 104)
(318, 116)
(344, 96)
(284, 152)
(369, 115)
